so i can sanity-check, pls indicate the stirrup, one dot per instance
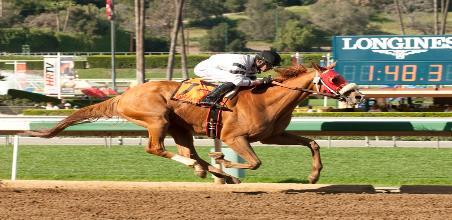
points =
(207, 103)
(211, 103)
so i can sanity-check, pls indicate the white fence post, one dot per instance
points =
(218, 145)
(15, 151)
(437, 142)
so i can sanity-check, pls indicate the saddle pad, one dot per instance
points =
(193, 90)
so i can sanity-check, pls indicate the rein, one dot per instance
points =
(304, 90)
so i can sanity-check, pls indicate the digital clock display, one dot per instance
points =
(396, 73)
(394, 60)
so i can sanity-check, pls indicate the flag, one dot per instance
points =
(109, 9)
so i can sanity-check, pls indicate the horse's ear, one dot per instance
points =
(316, 66)
(331, 66)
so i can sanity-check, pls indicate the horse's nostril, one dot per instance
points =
(358, 97)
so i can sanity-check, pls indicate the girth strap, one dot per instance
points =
(214, 125)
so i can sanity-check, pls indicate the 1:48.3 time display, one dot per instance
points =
(397, 73)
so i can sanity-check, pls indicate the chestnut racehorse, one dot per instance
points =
(257, 114)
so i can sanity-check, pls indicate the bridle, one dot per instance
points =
(317, 80)
(305, 90)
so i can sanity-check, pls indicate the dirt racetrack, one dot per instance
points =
(139, 200)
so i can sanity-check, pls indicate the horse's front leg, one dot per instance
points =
(291, 139)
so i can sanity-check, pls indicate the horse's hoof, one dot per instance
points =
(199, 171)
(216, 155)
(313, 179)
(315, 174)
(231, 180)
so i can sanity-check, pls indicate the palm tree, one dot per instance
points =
(444, 11)
(402, 26)
(174, 33)
(139, 29)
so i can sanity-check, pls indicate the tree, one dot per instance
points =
(97, 3)
(202, 9)
(235, 5)
(445, 4)
(42, 21)
(162, 12)
(340, 17)
(295, 36)
(183, 51)
(89, 20)
(399, 13)
(265, 17)
(139, 37)
(413, 11)
(290, 2)
(123, 13)
(177, 22)
(160, 19)
(52, 18)
(223, 38)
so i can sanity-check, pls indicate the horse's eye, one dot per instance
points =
(335, 80)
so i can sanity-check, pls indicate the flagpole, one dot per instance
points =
(111, 16)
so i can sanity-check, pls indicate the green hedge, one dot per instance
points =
(307, 59)
(160, 61)
(151, 61)
(41, 40)
(59, 112)
(35, 64)
(128, 61)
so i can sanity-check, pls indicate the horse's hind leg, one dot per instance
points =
(185, 147)
(157, 128)
(291, 139)
(184, 140)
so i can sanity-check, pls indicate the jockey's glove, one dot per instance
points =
(267, 80)
(263, 81)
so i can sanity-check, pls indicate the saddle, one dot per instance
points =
(193, 91)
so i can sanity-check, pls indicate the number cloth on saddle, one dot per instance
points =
(193, 90)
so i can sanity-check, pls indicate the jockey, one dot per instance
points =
(235, 70)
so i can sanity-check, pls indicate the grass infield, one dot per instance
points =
(376, 166)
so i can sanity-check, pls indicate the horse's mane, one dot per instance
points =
(289, 72)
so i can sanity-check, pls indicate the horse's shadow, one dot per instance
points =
(335, 189)
(369, 189)
(294, 180)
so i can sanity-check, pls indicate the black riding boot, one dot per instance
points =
(216, 94)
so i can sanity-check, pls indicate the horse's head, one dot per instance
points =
(328, 81)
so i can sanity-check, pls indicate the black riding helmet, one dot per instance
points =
(271, 57)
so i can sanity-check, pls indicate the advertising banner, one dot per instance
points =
(51, 75)
(59, 75)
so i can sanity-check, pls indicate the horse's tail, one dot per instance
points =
(105, 109)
